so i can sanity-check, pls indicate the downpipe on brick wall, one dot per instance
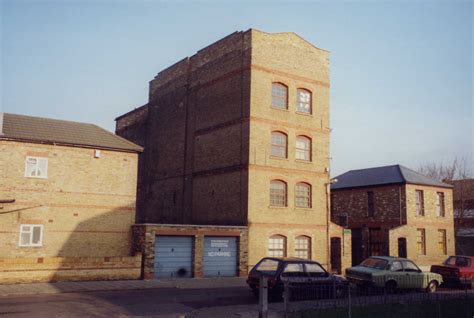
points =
(328, 211)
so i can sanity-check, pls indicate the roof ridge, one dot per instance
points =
(399, 168)
(48, 118)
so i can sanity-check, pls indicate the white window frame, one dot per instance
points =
(38, 159)
(30, 228)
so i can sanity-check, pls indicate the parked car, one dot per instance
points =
(392, 273)
(306, 278)
(456, 271)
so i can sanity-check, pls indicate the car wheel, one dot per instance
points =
(390, 287)
(432, 287)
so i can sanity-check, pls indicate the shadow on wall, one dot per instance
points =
(98, 248)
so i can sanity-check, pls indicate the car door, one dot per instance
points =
(414, 277)
(396, 274)
(320, 282)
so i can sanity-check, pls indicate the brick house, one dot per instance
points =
(463, 196)
(396, 211)
(236, 142)
(67, 201)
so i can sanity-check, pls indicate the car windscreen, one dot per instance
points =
(458, 261)
(375, 263)
(267, 266)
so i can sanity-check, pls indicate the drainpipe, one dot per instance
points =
(400, 203)
(328, 211)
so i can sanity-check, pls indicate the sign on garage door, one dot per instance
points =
(220, 256)
(173, 256)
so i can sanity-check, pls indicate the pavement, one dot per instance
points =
(205, 297)
(92, 286)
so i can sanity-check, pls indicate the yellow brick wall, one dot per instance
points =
(430, 222)
(86, 205)
(286, 58)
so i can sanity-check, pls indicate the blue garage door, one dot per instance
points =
(173, 256)
(220, 256)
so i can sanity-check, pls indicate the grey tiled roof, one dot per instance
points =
(395, 174)
(46, 130)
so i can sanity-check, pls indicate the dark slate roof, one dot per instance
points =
(396, 174)
(61, 132)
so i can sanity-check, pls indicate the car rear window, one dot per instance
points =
(375, 263)
(458, 261)
(268, 266)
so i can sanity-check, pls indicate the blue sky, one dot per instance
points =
(401, 72)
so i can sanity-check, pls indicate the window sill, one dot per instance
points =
(41, 178)
(278, 158)
(303, 209)
(277, 207)
(282, 109)
(304, 114)
(304, 161)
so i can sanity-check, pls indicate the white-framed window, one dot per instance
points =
(440, 204)
(303, 195)
(303, 148)
(31, 235)
(279, 96)
(36, 167)
(303, 247)
(304, 101)
(277, 246)
(279, 144)
(278, 193)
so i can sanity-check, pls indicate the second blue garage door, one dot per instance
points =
(220, 256)
(173, 256)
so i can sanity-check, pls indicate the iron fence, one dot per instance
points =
(346, 300)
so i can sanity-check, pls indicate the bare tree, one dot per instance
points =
(457, 169)
(458, 174)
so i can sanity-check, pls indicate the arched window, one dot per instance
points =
(277, 246)
(279, 144)
(277, 193)
(303, 247)
(303, 148)
(279, 96)
(303, 195)
(303, 102)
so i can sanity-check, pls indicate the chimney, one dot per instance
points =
(1, 124)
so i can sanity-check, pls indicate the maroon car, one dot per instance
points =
(456, 271)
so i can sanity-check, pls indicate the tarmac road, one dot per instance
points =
(162, 302)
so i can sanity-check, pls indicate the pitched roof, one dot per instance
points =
(61, 132)
(395, 174)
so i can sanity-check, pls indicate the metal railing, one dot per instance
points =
(299, 297)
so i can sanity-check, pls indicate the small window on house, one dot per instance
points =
(370, 203)
(277, 193)
(303, 247)
(421, 242)
(303, 195)
(303, 101)
(442, 248)
(277, 246)
(31, 235)
(440, 204)
(303, 148)
(279, 144)
(36, 167)
(420, 204)
(279, 96)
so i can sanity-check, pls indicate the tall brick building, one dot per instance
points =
(67, 201)
(236, 138)
(396, 211)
